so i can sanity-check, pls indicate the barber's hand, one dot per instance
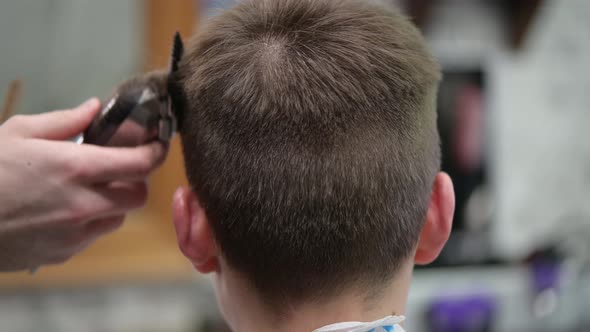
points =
(57, 197)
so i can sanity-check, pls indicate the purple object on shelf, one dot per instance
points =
(469, 313)
(545, 274)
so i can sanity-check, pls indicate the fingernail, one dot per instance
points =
(90, 103)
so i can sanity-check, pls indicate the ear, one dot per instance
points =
(439, 220)
(194, 235)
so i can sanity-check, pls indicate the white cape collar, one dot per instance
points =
(387, 324)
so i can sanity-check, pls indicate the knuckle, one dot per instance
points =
(15, 121)
(76, 167)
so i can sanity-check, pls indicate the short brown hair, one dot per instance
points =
(309, 135)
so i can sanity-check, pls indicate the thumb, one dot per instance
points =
(60, 125)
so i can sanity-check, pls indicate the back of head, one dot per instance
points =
(309, 136)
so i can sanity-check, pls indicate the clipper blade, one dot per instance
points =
(177, 52)
(175, 94)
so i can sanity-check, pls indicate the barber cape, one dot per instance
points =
(387, 324)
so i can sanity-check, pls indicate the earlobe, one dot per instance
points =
(193, 232)
(439, 220)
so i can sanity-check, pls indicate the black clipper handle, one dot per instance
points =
(105, 125)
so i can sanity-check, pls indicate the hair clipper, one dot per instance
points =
(141, 110)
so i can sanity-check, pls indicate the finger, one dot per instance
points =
(73, 240)
(101, 227)
(122, 197)
(105, 164)
(103, 201)
(57, 125)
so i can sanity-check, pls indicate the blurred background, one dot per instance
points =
(514, 110)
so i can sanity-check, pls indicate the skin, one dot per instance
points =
(57, 197)
(240, 303)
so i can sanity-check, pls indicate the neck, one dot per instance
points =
(245, 313)
(344, 308)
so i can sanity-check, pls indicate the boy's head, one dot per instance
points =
(310, 143)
